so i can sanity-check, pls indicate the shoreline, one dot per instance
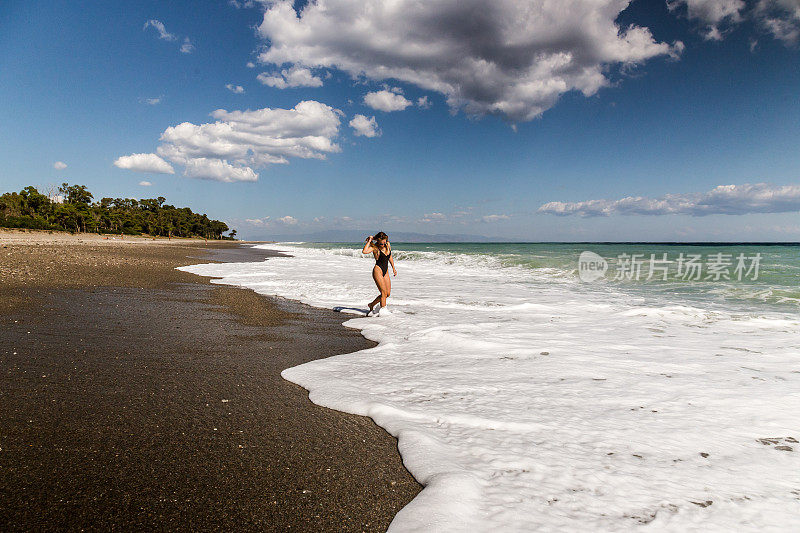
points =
(158, 407)
(477, 385)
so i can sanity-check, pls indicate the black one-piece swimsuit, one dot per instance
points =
(383, 261)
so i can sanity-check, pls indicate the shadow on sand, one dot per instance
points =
(341, 308)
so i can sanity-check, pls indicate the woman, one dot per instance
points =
(382, 251)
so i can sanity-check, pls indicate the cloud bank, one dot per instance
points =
(510, 58)
(721, 200)
(238, 142)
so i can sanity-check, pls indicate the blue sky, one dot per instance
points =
(694, 100)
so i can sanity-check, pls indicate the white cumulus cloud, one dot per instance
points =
(780, 18)
(266, 221)
(238, 142)
(494, 218)
(217, 170)
(365, 127)
(723, 199)
(291, 77)
(144, 163)
(433, 217)
(145, 183)
(713, 14)
(242, 4)
(512, 58)
(159, 27)
(187, 47)
(235, 89)
(386, 101)
(59, 165)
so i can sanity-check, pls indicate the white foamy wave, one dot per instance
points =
(766, 294)
(523, 404)
(439, 257)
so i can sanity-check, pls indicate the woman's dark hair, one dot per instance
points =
(380, 235)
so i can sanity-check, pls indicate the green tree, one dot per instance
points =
(75, 194)
(31, 209)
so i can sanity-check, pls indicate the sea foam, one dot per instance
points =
(525, 401)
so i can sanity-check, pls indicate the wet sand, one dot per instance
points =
(137, 397)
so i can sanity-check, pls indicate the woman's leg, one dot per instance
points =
(387, 289)
(383, 283)
(377, 277)
(374, 302)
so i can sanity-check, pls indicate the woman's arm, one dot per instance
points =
(391, 259)
(367, 246)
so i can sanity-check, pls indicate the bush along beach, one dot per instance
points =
(72, 209)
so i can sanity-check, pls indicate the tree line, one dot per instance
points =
(74, 210)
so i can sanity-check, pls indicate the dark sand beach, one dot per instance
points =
(137, 397)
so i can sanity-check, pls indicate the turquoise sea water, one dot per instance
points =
(775, 285)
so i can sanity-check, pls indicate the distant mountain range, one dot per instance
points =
(360, 235)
